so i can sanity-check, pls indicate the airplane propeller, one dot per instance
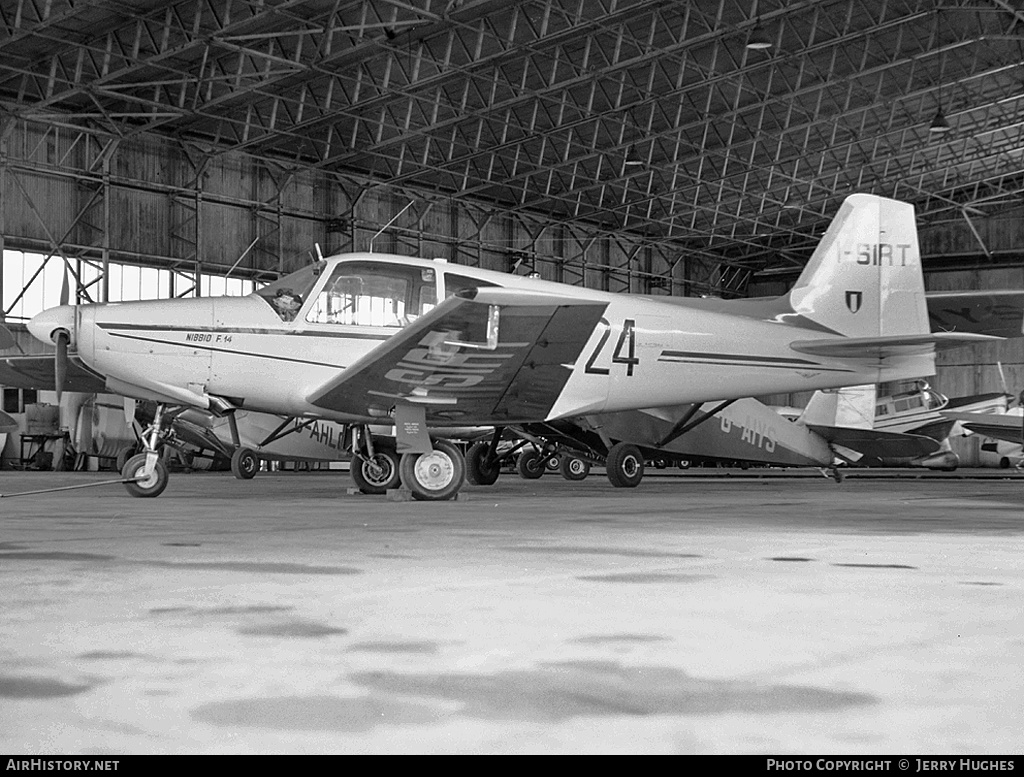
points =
(65, 287)
(1002, 378)
(62, 339)
(7, 339)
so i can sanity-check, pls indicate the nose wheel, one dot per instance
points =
(144, 475)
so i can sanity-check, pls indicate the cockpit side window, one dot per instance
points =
(287, 294)
(374, 294)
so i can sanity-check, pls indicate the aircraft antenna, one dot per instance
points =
(394, 218)
(319, 253)
(241, 257)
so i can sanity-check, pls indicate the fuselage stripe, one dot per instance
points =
(348, 335)
(201, 347)
(687, 355)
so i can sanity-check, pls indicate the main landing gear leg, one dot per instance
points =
(144, 474)
(376, 469)
(482, 464)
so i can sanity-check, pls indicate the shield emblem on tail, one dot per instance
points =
(854, 299)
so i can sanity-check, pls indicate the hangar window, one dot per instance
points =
(374, 294)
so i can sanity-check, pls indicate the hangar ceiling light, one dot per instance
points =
(939, 124)
(758, 38)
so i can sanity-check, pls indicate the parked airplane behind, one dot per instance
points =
(908, 428)
(420, 343)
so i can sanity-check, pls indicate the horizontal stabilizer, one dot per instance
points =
(881, 347)
(875, 444)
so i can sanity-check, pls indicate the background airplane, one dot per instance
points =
(849, 425)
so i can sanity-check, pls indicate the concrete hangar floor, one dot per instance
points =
(703, 612)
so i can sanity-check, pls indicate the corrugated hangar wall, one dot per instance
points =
(152, 200)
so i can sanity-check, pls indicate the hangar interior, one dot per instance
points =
(646, 146)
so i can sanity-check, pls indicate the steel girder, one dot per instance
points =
(644, 117)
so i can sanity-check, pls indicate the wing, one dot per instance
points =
(999, 426)
(484, 356)
(984, 312)
(38, 372)
(875, 444)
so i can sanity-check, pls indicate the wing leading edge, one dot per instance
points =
(37, 371)
(478, 358)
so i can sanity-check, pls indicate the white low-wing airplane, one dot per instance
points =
(359, 338)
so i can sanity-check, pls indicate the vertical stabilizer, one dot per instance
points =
(864, 279)
(852, 407)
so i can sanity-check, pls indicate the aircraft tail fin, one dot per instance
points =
(853, 406)
(864, 278)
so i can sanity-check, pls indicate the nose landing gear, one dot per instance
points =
(144, 475)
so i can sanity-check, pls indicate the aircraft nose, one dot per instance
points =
(43, 325)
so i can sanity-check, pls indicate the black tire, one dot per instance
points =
(244, 463)
(154, 485)
(1004, 463)
(122, 457)
(530, 466)
(478, 473)
(625, 465)
(553, 463)
(434, 476)
(684, 464)
(377, 474)
(573, 468)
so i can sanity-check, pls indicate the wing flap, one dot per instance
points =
(1008, 427)
(496, 359)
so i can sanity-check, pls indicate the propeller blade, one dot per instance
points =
(65, 287)
(6, 338)
(7, 424)
(61, 362)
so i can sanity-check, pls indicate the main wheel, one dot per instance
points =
(625, 465)
(378, 473)
(478, 471)
(530, 465)
(122, 457)
(434, 476)
(573, 468)
(153, 485)
(244, 463)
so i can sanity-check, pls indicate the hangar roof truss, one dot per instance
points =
(650, 117)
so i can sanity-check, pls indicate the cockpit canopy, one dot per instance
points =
(363, 292)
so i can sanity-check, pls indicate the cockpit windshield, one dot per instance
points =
(286, 295)
(367, 293)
